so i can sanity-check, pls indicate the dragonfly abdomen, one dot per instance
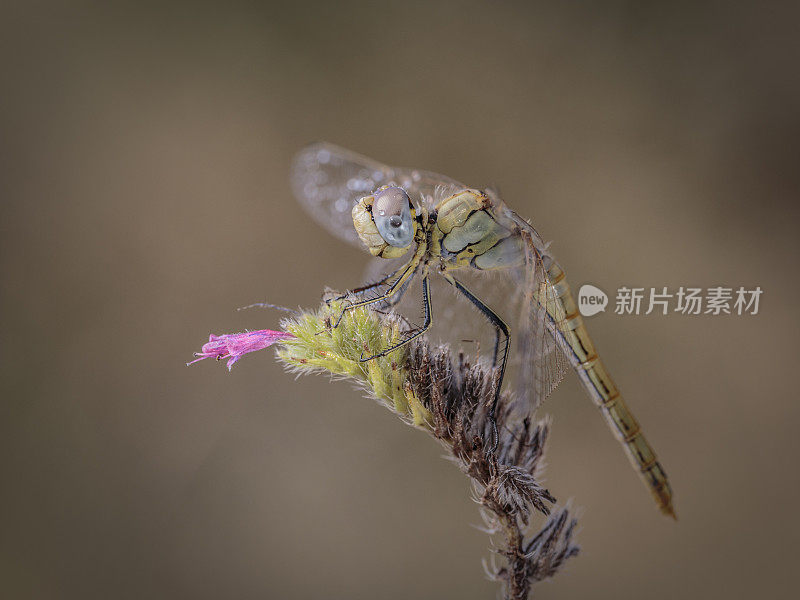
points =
(580, 350)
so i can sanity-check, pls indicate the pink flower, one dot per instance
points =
(235, 345)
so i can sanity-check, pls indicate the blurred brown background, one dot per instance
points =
(144, 152)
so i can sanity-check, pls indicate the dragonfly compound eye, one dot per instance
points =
(391, 212)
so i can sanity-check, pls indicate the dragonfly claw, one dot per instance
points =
(361, 359)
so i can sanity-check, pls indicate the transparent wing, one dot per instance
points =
(541, 318)
(327, 180)
(425, 186)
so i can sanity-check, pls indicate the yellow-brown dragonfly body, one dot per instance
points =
(454, 231)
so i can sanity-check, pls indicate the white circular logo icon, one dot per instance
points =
(591, 300)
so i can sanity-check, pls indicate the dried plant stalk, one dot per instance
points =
(449, 397)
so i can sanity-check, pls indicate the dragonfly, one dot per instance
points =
(433, 228)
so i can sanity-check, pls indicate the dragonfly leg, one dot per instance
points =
(501, 331)
(395, 298)
(426, 301)
(398, 284)
(365, 288)
(497, 336)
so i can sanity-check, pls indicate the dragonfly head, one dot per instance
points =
(386, 222)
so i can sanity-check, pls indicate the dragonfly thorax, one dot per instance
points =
(473, 232)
